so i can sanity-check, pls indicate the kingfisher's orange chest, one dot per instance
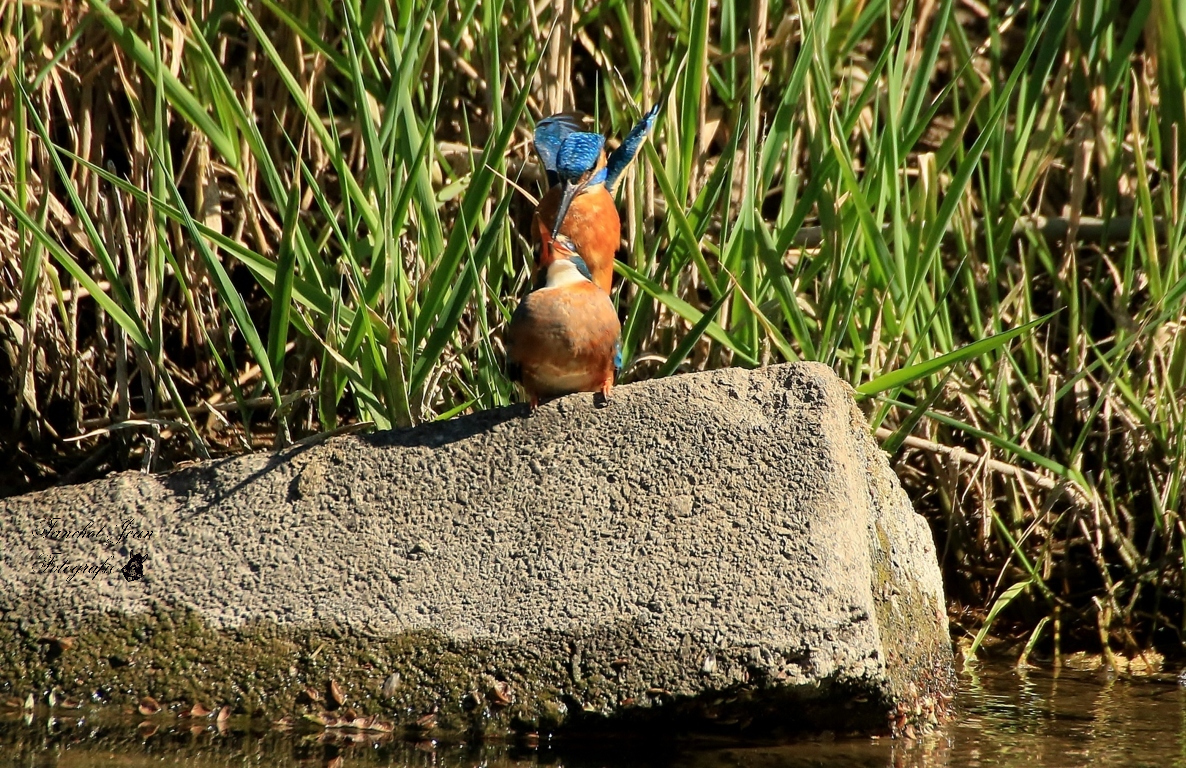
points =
(592, 223)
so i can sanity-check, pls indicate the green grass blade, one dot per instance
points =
(917, 371)
(179, 96)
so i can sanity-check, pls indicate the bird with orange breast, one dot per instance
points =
(565, 336)
(579, 202)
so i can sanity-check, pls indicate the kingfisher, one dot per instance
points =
(565, 336)
(579, 202)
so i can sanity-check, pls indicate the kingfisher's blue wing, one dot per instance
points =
(629, 147)
(578, 153)
(550, 134)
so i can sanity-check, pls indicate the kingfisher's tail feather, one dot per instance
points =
(625, 153)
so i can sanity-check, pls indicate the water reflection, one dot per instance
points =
(1006, 720)
(1068, 719)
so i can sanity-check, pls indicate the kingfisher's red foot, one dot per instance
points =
(601, 396)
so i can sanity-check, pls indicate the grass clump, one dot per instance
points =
(228, 225)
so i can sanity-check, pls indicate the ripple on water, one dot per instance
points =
(1006, 720)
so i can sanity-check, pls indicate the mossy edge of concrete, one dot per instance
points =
(263, 671)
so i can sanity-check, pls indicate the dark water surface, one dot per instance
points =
(1005, 720)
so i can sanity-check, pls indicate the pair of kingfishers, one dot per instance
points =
(565, 336)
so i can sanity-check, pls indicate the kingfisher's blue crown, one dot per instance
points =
(578, 154)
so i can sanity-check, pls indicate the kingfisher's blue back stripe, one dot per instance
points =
(624, 154)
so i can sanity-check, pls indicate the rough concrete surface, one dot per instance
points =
(723, 551)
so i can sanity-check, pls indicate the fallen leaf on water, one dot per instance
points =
(335, 693)
(149, 706)
(500, 693)
(374, 724)
(391, 685)
(57, 644)
(197, 710)
(323, 719)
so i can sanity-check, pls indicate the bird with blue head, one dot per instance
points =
(565, 336)
(579, 202)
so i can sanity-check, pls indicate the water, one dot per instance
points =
(1005, 720)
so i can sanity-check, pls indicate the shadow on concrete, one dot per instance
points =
(430, 435)
(435, 434)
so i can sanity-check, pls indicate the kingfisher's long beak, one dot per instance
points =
(569, 191)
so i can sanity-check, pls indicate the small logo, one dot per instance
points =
(134, 570)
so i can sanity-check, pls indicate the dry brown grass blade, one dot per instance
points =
(557, 69)
(99, 424)
(962, 456)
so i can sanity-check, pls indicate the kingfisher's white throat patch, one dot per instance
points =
(562, 273)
